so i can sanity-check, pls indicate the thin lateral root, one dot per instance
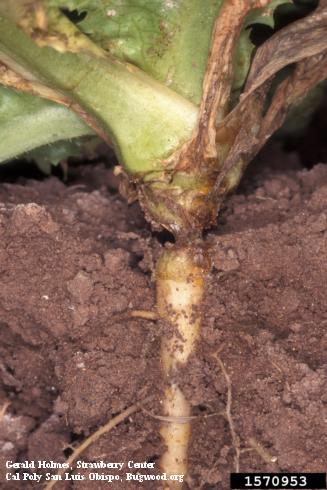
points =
(145, 314)
(262, 451)
(228, 411)
(104, 429)
(3, 410)
(227, 414)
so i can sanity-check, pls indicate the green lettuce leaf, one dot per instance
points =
(51, 155)
(28, 122)
(168, 39)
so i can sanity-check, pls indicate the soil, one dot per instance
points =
(75, 259)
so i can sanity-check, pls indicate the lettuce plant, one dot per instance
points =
(179, 91)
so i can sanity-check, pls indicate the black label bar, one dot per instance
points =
(276, 481)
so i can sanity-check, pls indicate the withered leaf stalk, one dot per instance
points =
(176, 88)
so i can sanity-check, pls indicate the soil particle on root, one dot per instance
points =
(75, 260)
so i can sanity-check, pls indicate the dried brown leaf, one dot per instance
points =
(252, 128)
(302, 39)
(247, 127)
(308, 73)
(218, 79)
